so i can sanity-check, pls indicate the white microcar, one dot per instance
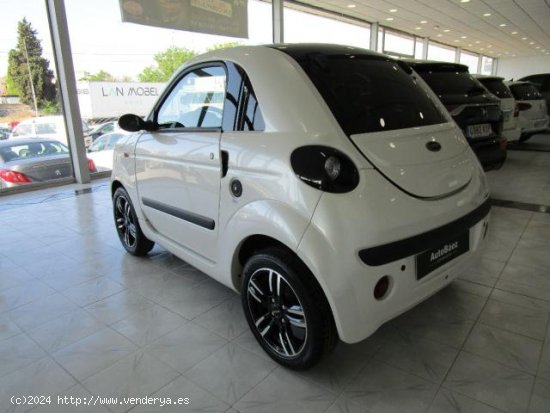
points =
(326, 184)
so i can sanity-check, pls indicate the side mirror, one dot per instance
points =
(134, 123)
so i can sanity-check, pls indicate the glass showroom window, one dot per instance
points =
(487, 65)
(128, 76)
(398, 45)
(419, 48)
(440, 53)
(307, 27)
(470, 60)
(33, 140)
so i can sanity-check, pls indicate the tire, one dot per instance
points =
(287, 310)
(525, 137)
(127, 225)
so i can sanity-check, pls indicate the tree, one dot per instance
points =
(27, 56)
(102, 75)
(167, 63)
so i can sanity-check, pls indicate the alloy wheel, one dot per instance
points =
(125, 222)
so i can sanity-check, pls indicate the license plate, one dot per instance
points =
(478, 131)
(430, 260)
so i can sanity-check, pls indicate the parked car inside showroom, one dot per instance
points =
(533, 115)
(511, 130)
(474, 110)
(332, 201)
(32, 160)
(542, 83)
(102, 129)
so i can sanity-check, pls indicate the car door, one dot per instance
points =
(178, 166)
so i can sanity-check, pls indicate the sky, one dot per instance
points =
(101, 41)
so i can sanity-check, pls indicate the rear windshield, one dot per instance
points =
(452, 82)
(497, 88)
(369, 93)
(525, 91)
(19, 151)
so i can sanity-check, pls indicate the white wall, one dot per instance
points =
(516, 67)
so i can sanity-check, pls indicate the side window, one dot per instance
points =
(196, 101)
(252, 118)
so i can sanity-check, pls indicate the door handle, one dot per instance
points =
(225, 163)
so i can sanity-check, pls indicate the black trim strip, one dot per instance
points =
(384, 254)
(191, 217)
(525, 206)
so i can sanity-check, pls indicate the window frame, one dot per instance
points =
(153, 116)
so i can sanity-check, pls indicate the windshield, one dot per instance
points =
(370, 93)
(497, 88)
(19, 151)
(525, 91)
(451, 82)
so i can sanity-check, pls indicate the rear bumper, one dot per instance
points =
(491, 153)
(378, 214)
(535, 125)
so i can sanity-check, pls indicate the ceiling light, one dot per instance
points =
(524, 38)
(389, 19)
(531, 42)
(513, 55)
(514, 32)
(446, 30)
(351, 6)
(489, 45)
(502, 24)
(423, 22)
(418, 28)
(538, 47)
(393, 10)
(464, 1)
(463, 37)
(469, 44)
(439, 35)
(486, 14)
(477, 42)
(456, 41)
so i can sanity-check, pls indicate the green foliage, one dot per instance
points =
(102, 75)
(167, 63)
(51, 108)
(28, 53)
(219, 46)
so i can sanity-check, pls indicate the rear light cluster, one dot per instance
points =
(523, 106)
(91, 166)
(325, 168)
(14, 177)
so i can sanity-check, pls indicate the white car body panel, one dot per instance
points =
(535, 119)
(511, 128)
(325, 230)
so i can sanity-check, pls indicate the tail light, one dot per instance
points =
(14, 177)
(91, 166)
(516, 110)
(325, 168)
(524, 106)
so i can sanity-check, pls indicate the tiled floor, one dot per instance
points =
(79, 317)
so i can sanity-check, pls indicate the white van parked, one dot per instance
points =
(52, 127)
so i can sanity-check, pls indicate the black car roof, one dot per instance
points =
(303, 49)
(428, 65)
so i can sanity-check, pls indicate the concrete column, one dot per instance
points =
(277, 11)
(63, 57)
(373, 44)
(457, 54)
(479, 63)
(426, 42)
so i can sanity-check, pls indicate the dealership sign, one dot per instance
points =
(222, 17)
(112, 99)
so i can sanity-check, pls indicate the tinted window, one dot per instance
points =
(42, 128)
(451, 82)
(195, 101)
(497, 88)
(370, 94)
(525, 91)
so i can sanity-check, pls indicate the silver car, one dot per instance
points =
(32, 160)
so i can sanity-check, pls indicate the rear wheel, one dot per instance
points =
(286, 309)
(127, 225)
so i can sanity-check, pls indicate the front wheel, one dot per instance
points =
(127, 225)
(287, 310)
